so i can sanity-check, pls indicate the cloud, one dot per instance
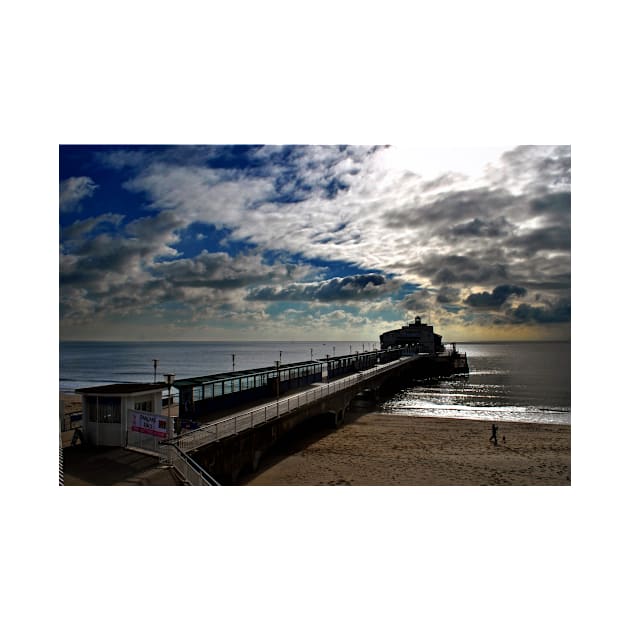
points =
(73, 190)
(219, 270)
(453, 208)
(533, 168)
(550, 239)
(560, 312)
(552, 205)
(448, 295)
(477, 227)
(80, 229)
(339, 204)
(459, 269)
(495, 299)
(350, 288)
(380, 232)
(419, 301)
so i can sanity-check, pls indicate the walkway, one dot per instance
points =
(245, 420)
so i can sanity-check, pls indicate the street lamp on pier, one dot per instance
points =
(278, 387)
(169, 381)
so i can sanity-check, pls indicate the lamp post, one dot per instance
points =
(169, 381)
(155, 364)
(278, 387)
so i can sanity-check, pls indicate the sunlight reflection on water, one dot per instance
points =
(507, 382)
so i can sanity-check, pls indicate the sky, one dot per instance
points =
(311, 242)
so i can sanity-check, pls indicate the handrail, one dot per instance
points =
(189, 462)
(234, 424)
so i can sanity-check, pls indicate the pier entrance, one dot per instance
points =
(146, 430)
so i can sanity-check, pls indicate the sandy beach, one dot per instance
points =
(381, 449)
(71, 404)
(372, 449)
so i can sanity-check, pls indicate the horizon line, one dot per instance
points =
(296, 341)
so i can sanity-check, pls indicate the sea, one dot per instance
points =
(519, 382)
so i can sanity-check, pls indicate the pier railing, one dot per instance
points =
(237, 423)
(189, 470)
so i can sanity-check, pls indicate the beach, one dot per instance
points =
(71, 404)
(373, 449)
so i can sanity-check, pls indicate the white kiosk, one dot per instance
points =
(125, 414)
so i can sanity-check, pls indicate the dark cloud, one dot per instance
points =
(154, 229)
(448, 295)
(553, 238)
(89, 260)
(418, 301)
(458, 269)
(535, 168)
(495, 299)
(80, 229)
(358, 287)
(560, 312)
(554, 205)
(489, 228)
(218, 270)
(458, 207)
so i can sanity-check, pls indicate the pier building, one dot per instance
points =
(415, 333)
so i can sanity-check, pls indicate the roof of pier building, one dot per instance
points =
(122, 388)
(231, 376)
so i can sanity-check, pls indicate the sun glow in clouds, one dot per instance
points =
(433, 162)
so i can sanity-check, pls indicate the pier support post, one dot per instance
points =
(339, 417)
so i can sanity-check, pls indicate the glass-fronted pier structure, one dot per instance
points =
(201, 395)
(349, 363)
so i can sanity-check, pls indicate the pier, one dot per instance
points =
(225, 423)
(225, 447)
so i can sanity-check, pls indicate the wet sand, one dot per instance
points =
(373, 449)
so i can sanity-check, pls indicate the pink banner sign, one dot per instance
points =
(149, 423)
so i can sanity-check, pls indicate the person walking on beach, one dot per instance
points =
(493, 437)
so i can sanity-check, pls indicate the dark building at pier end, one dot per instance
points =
(416, 334)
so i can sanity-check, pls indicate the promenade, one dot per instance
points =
(114, 466)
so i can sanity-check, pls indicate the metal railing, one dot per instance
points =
(189, 470)
(237, 423)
